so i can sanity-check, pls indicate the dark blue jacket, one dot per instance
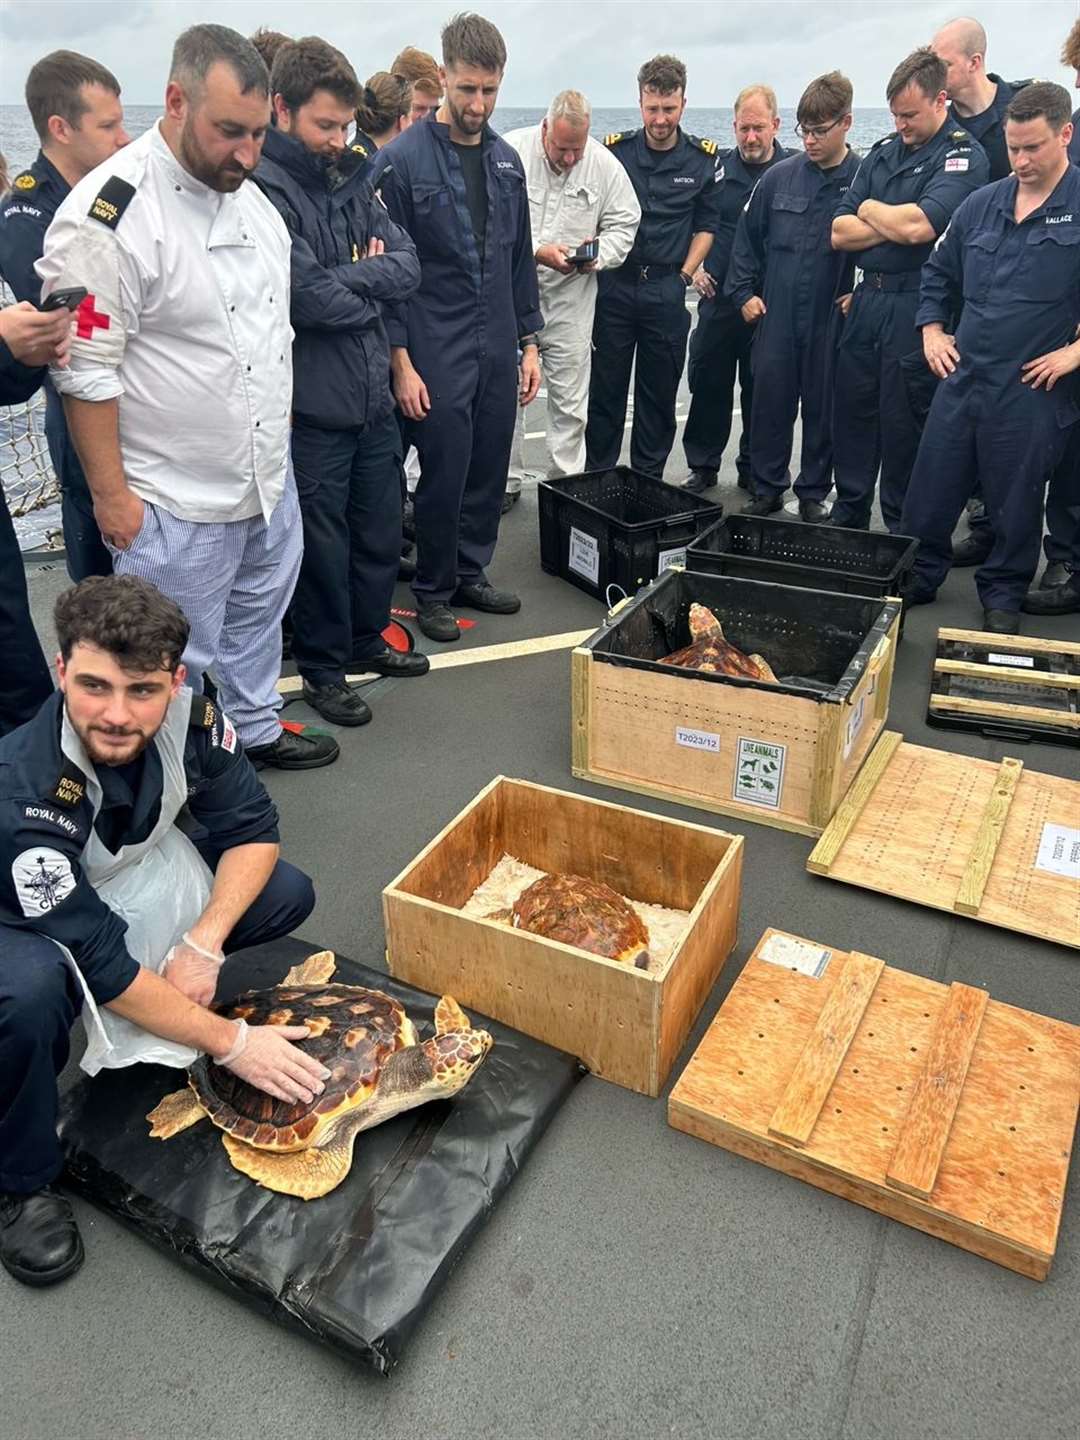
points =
(341, 358)
(44, 807)
(466, 311)
(27, 213)
(935, 176)
(678, 191)
(17, 382)
(1020, 287)
(988, 128)
(736, 180)
(783, 250)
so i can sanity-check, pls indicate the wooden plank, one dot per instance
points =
(1000, 644)
(815, 1070)
(699, 802)
(849, 809)
(1003, 710)
(975, 671)
(925, 1131)
(580, 661)
(828, 763)
(987, 838)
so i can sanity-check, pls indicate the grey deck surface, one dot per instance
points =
(634, 1281)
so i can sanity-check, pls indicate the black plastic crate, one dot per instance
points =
(818, 557)
(617, 527)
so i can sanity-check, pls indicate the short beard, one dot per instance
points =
(196, 164)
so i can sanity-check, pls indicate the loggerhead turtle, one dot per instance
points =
(583, 912)
(378, 1066)
(709, 651)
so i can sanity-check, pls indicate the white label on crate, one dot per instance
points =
(855, 723)
(1059, 851)
(759, 773)
(584, 557)
(1027, 661)
(667, 558)
(792, 954)
(697, 739)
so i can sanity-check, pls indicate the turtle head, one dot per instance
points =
(454, 1056)
(433, 1070)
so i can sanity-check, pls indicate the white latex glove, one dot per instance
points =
(263, 1057)
(193, 970)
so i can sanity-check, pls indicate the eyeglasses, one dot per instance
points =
(817, 132)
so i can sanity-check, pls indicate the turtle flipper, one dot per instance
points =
(450, 1016)
(304, 1173)
(175, 1113)
(315, 970)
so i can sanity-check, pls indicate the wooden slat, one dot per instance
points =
(832, 841)
(974, 671)
(917, 1158)
(580, 690)
(981, 860)
(800, 1105)
(1004, 711)
(1026, 644)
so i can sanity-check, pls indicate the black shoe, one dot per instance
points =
(1061, 599)
(972, 550)
(406, 569)
(813, 512)
(919, 597)
(764, 505)
(292, 751)
(1053, 576)
(399, 664)
(745, 480)
(438, 623)
(509, 500)
(339, 703)
(485, 597)
(39, 1239)
(1001, 622)
(699, 480)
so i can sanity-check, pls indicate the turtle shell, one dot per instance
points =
(352, 1032)
(583, 912)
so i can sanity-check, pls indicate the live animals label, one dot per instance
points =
(854, 725)
(697, 739)
(584, 558)
(1059, 851)
(759, 773)
(1027, 661)
(667, 558)
(792, 954)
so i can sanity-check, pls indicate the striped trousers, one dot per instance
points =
(233, 581)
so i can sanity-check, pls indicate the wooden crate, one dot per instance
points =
(997, 842)
(627, 1025)
(683, 735)
(929, 1103)
(1017, 686)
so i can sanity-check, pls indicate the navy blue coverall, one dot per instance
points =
(720, 343)
(346, 446)
(1020, 290)
(39, 995)
(641, 306)
(461, 329)
(988, 127)
(34, 200)
(783, 253)
(883, 386)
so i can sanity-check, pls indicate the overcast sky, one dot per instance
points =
(592, 45)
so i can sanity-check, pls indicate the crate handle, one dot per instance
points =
(878, 658)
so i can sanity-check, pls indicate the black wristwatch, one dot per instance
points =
(687, 280)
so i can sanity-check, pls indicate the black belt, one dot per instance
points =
(878, 280)
(648, 272)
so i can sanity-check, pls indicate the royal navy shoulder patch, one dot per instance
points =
(25, 181)
(203, 713)
(111, 201)
(70, 787)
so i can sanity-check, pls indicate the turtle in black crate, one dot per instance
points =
(378, 1068)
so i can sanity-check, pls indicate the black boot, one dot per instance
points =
(699, 480)
(39, 1239)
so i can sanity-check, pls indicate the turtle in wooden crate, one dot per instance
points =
(378, 1068)
(710, 652)
(583, 912)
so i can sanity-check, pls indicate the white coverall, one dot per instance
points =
(595, 198)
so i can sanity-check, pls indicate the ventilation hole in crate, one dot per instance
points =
(838, 1110)
(899, 1087)
(776, 1000)
(1031, 1049)
(1012, 1127)
(854, 1069)
(1023, 1087)
(914, 1049)
(870, 1034)
(885, 1129)
(926, 1014)
(761, 1034)
(884, 1001)
(1002, 1173)
(569, 1004)
(741, 1072)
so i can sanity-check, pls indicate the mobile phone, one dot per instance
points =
(586, 253)
(65, 299)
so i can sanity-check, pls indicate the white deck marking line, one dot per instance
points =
(478, 655)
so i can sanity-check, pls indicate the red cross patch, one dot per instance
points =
(88, 319)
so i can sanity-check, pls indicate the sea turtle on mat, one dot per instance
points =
(709, 651)
(378, 1066)
(582, 912)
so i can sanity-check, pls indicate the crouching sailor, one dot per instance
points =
(106, 903)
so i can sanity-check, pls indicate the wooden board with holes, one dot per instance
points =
(1006, 685)
(997, 842)
(929, 1103)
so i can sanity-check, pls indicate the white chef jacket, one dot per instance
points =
(594, 198)
(187, 322)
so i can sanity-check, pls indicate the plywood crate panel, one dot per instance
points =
(932, 1104)
(782, 755)
(627, 1025)
(957, 833)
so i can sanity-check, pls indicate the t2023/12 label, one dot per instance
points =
(704, 740)
(759, 773)
(584, 557)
